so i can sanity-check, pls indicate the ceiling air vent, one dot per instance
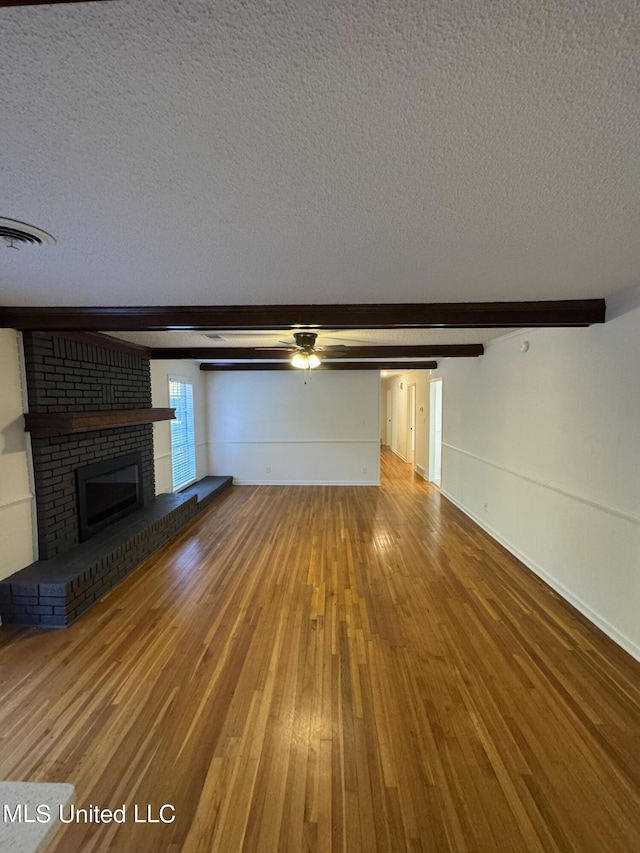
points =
(14, 234)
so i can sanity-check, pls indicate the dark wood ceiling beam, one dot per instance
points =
(326, 365)
(468, 315)
(252, 353)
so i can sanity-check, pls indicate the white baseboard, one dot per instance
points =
(393, 450)
(623, 641)
(238, 482)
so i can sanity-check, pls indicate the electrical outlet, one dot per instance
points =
(268, 469)
(364, 469)
(486, 507)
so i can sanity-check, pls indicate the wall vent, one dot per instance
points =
(14, 234)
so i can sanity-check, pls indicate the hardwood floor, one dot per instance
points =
(331, 669)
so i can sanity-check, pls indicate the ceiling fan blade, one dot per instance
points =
(287, 348)
(344, 341)
(333, 350)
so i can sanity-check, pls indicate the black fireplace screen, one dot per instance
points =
(107, 492)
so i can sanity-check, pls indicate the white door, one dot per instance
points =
(411, 424)
(388, 436)
(435, 431)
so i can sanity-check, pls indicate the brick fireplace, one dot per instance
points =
(66, 375)
(90, 418)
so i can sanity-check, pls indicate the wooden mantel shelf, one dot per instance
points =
(54, 423)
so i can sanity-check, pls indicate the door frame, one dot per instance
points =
(435, 444)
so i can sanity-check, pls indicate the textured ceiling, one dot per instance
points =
(243, 151)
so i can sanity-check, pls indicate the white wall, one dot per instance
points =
(269, 427)
(400, 411)
(543, 450)
(17, 506)
(161, 370)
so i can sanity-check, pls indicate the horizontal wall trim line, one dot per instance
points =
(617, 636)
(576, 496)
(15, 501)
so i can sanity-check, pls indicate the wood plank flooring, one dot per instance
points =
(331, 669)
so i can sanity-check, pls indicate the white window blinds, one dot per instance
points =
(183, 440)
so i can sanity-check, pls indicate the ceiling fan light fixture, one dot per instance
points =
(305, 360)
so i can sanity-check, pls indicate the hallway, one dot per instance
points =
(395, 472)
(331, 669)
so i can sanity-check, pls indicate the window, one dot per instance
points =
(183, 440)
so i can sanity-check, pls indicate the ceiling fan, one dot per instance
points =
(305, 352)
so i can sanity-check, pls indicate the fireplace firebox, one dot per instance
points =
(108, 491)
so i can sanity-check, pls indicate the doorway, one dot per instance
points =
(435, 431)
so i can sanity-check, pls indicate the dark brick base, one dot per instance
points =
(54, 593)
